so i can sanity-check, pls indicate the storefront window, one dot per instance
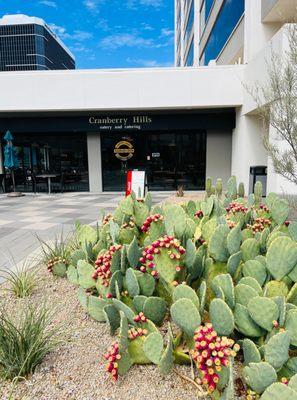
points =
(170, 159)
(61, 154)
(229, 15)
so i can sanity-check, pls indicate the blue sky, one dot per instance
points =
(107, 33)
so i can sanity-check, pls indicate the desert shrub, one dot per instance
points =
(25, 339)
(21, 280)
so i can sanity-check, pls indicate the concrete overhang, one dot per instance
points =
(126, 89)
(278, 10)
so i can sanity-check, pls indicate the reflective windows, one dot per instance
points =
(229, 15)
(189, 23)
(204, 13)
(31, 47)
(190, 55)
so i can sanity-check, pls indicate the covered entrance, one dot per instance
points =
(171, 159)
(93, 150)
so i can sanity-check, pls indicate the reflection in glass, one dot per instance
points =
(170, 160)
(229, 15)
(62, 154)
(190, 55)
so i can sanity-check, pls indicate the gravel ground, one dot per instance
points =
(76, 370)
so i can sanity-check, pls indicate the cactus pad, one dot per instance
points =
(277, 350)
(185, 292)
(259, 376)
(233, 263)
(245, 324)
(263, 311)
(184, 313)
(244, 293)
(253, 283)
(138, 303)
(217, 244)
(153, 347)
(281, 257)
(275, 288)
(95, 308)
(221, 317)
(291, 326)
(155, 309)
(279, 391)
(250, 352)
(225, 283)
(250, 249)
(256, 270)
(132, 283)
(292, 296)
(85, 272)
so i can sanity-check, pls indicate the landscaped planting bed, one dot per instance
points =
(200, 298)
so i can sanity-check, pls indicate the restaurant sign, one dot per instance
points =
(131, 122)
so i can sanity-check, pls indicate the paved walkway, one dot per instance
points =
(24, 218)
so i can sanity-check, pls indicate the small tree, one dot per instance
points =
(279, 96)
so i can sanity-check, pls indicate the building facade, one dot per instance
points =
(179, 124)
(27, 43)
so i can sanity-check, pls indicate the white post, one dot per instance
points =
(94, 161)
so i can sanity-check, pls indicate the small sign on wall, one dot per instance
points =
(136, 183)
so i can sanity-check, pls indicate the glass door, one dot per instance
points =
(120, 153)
(170, 159)
(177, 159)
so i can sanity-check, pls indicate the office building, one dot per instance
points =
(27, 43)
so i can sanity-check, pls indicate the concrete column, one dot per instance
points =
(256, 33)
(196, 32)
(277, 183)
(218, 155)
(247, 147)
(95, 162)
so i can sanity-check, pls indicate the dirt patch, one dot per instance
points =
(76, 369)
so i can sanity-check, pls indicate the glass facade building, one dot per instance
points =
(26, 43)
(227, 19)
(205, 28)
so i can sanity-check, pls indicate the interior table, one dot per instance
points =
(48, 177)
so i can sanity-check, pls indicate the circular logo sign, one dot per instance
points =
(124, 150)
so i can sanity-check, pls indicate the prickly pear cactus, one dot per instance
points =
(218, 267)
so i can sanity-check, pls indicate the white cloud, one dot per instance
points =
(92, 5)
(133, 4)
(124, 40)
(77, 35)
(49, 3)
(58, 30)
(146, 27)
(148, 63)
(81, 35)
(166, 32)
(103, 24)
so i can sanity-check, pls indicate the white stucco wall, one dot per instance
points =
(247, 147)
(81, 90)
(275, 182)
(218, 155)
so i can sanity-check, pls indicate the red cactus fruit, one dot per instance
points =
(211, 353)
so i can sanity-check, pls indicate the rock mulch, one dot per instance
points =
(76, 369)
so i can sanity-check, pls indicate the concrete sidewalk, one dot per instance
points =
(22, 219)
